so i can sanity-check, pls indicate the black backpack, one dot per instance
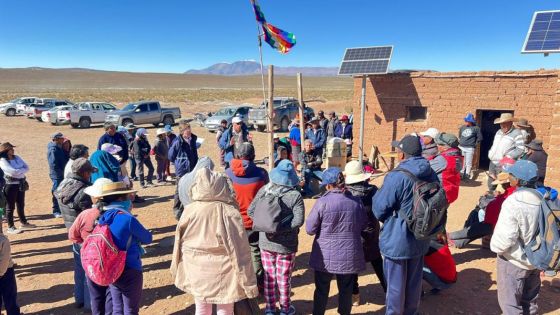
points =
(429, 207)
(267, 215)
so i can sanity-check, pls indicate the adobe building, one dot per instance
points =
(402, 103)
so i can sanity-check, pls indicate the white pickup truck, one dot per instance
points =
(86, 114)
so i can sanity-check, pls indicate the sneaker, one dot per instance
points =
(169, 178)
(291, 311)
(57, 215)
(149, 184)
(356, 299)
(27, 225)
(13, 230)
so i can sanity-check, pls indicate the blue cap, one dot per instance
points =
(523, 170)
(470, 118)
(284, 174)
(330, 176)
(167, 128)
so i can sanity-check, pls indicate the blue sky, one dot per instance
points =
(177, 35)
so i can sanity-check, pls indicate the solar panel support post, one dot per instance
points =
(362, 120)
(269, 117)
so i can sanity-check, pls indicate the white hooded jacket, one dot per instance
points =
(517, 225)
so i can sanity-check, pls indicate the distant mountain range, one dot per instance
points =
(250, 67)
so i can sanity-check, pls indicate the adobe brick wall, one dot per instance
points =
(449, 96)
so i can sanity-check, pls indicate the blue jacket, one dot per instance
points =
(57, 161)
(318, 139)
(117, 139)
(295, 134)
(346, 134)
(107, 166)
(184, 155)
(396, 241)
(226, 146)
(125, 226)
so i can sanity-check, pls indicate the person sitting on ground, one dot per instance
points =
(470, 137)
(77, 151)
(311, 162)
(8, 284)
(518, 280)
(357, 183)
(317, 135)
(233, 138)
(161, 151)
(439, 271)
(211, 256)
(278, 250)
(14, 169)
(142, 150)
(336, 220)
(72, 200)
(186, 181)
(248, 179)
(536, 154)
(476, 228)
(447, 164)
(429, 146)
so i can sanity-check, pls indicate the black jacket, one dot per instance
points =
(540, 158)
(370, 235)
(72, 199)
(141, 148)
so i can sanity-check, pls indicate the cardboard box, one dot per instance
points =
(339, 162)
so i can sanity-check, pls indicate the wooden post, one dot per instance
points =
(301, 108)
(269, 117)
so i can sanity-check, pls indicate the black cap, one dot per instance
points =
(409, 144)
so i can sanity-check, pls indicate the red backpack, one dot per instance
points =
(102, 260)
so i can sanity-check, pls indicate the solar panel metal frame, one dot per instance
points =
(524, 48)
(371, 73)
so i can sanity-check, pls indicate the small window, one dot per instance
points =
(416, 113)
(108, 107)
(95, 106)
(153, 107)
(142, 108)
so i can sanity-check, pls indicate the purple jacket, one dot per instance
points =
(337, 220)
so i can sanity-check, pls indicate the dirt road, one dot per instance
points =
(45, 264)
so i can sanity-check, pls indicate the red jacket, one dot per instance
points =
(493, 208)
(451, 176)
(247, 179)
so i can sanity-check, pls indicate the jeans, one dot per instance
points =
(101, 300)
(14, 197)
(433, 279)
(203, 308)
(518, 288)
(253, 237)
(322, 287)
(468, 153)
(81, 292)
(132, 168)
(8, 292)
(160, 171)
(404, 285)
(55, 207)
(308, 174)
(177, 205)
(470, 233)
(140, 169)
(127, 292)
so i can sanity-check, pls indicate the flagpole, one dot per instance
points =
(261, 59)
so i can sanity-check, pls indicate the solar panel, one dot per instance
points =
(367, 60)
(544, 33)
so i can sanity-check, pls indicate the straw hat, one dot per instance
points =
(505, 117)
(354, 173)
(502, 178)
(105, 187)
(161, 131)
(523, 123)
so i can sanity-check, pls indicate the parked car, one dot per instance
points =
(213, 123)
(85, 114)
(285, 110)
(145, 112)
(11, 108)
(51, 115)
(22, 107)
(45, 104)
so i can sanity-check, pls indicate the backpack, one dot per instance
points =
(543, 251)
(267, 215)
(102, 260)
(429, 207)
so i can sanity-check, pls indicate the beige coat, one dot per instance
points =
(211, 256)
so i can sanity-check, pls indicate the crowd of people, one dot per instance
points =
(237, 234)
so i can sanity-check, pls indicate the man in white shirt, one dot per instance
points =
(518, 281)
